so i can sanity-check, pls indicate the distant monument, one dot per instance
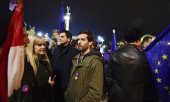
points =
(55, 33)
(67, 18)
(31, 32)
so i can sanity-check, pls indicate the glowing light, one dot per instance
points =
(46, 35)
(67, 17)
(39, 33)
(114, 31)
(100, 38)
(169, 43)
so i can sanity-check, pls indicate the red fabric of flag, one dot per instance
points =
(15, 36)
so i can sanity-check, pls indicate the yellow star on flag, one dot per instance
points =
(159, 62)
(156, 71)
(158, 80)
(164, 57)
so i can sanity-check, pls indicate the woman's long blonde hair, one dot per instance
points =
(30, 53)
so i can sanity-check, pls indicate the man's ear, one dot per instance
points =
(69, 39)
(90, 43)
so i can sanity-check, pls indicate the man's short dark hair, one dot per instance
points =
(132, 34)
(90, 35)
(68, 34)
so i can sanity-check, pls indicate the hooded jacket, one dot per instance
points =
(86, 82)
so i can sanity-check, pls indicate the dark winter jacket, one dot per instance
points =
(130, 76)
(35, 88)
(62, 63)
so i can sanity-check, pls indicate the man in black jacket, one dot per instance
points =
(129, 72)
(62, 63)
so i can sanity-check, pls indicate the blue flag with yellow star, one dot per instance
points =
(158, 55)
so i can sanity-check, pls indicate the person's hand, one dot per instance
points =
(51, 81)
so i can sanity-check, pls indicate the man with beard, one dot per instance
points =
(86, 82)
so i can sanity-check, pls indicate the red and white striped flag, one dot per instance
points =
(16, 52)
(12, 56)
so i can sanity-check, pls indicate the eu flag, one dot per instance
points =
(158, 55)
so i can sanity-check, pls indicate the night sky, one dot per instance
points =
(100, 16)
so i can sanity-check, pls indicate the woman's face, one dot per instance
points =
(39, 48)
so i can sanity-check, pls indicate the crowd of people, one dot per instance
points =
(77, 72)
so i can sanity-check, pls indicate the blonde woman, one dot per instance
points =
(37, 82)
